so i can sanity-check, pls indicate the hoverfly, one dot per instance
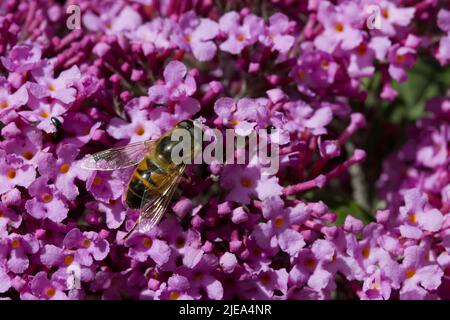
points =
(156, 175)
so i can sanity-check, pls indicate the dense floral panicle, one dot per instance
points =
(298, 71)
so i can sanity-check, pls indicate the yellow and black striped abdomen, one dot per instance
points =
(147, 176)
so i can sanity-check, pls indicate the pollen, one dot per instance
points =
(362, 49)
(400, 58)
(68, 260)
(301, 75)
(339, 27)
(2, 214)
(15, 244)
(198, 276)
(366, 252)
(51, 88)
(410, 273)
(187, 37)
(97, 181)
(412, 218)
(28, 155)
(86, 243)
(174, 295)
(147, 243)
(64, 168)
(385, 13)
(140, 131)
(47, 197)
(50, 292)
(11, 174)
(325, 64)
(240, 37)
(44, 114)
(310, 263)
(4, 104)
(246, 183)
(279, 222)
(234, 122)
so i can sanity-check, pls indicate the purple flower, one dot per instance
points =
(23, 58)
(196, 35)
(43, 288)
(47, 201)
(141, 127)
(339, 23)
(419, 276)
(60, 88)
(10, 101)
(14, 172)
(64, 170)
(393, 17)
(400, 58)
(88, 246)
(147, 245)
(15, 249)
(178, 84)
(277, 35)
(416, 217)
(277, 231)
(239, 35)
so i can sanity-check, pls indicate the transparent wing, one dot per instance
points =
(154, 205)
(117, 158)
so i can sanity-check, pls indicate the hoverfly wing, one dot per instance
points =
(154, 205)
(117, 158)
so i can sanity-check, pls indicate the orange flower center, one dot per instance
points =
(2, 214)
(44, 114)
(362, 49)
(366, 252)
(174, 295)
(50, 292)
(246, 183)
(301, 75)
(412, 218)
(47, 197)
(51, 87)
(15, 244)
(4, 104)
(325, 64)
(310, 263)
(147, 243)
(68, 260)
(64, 168)
(279, 222)
(400, 58)
(140, 131)
(240, 37)
(28, 155)
(410, 273)
(234, 122)
(86, 243)
(339, 27)
(11, 174)
(385, 13)
(187, 37)
(97, 181)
